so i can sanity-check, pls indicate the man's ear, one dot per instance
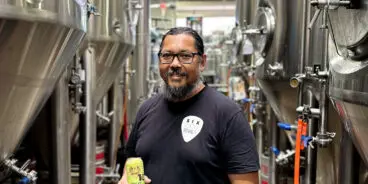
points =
(203, 63)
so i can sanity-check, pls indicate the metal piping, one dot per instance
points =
(326, 38)
(273, 175)
(88, 121)
(323, 108)
(141, 58)
(116, 104)
(322, 133)
(311, 163)
(349, 160)
(60, 134)
(105, 105)
(260, 114)
(304, 39)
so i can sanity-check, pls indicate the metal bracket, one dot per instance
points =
(308, 112)
(104, 117)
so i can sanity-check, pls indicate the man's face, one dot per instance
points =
(177, 74)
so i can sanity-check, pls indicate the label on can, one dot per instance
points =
(135, 171)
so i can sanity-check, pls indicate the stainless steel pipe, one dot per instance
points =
(273, 174)
(140, 61)
(61, 153)
(88, 121)
(311, 156)
(261, 121)
(116, 104)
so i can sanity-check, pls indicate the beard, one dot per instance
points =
(172, 93)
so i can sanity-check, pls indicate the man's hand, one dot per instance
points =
(248, 178)
(124, 180)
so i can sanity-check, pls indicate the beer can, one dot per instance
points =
(134, 170)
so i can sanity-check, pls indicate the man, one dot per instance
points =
(190, 133)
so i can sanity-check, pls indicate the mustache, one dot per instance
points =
(172, 72)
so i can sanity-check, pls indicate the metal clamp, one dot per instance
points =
(324, 139)
(308, 112)
(275, 69)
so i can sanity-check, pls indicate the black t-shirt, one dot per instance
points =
(198, 141)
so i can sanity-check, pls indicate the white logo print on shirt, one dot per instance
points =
(190, 127)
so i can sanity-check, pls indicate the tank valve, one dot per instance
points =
(29, 176)
(297, 80)
(286, 126)
(282, 158)
(275, 69)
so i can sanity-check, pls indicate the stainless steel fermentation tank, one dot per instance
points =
(279, 35)
(112, 34)
(37, 41)
(110, 40)
(349, 72)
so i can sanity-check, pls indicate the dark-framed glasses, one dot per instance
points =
(183, 57)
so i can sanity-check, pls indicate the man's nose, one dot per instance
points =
(175, 63)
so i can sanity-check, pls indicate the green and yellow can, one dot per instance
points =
(134, 170)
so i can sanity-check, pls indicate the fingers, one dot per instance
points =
(147, 180)
(123, 180)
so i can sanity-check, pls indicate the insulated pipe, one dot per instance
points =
(88, 121)
(311, 160)
(61, 158)
(349, 160)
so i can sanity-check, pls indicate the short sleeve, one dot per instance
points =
(132, 142)
(133, 137)
(239, 147)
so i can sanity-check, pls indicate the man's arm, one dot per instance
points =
(248, 178)
(240, 151)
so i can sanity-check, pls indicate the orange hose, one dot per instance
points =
(297, 151)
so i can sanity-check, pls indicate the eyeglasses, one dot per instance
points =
(184, 58)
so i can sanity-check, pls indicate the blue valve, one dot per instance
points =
(306, 140)
(275, 150)
(24, 180)
(286, 126)
(246, 100)
(252, 108)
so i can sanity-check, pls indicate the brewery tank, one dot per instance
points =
(37, 41)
